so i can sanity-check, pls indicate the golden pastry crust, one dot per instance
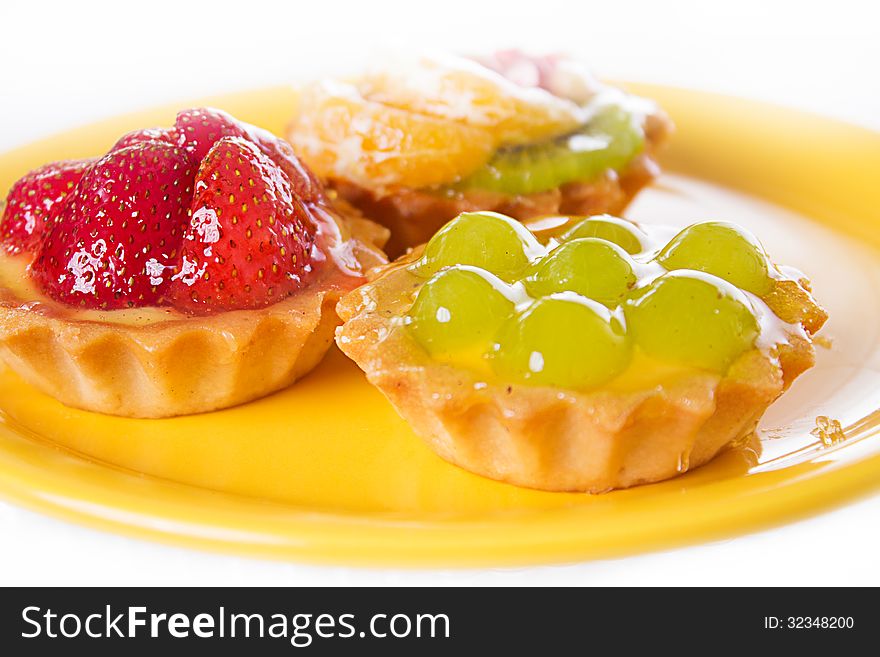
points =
(178, 364)
(548, 438)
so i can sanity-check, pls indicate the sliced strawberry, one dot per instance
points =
(116, 241)
(248, 244)
(34, 201)
(199, 129)
(148, 136)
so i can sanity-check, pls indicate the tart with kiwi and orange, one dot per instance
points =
(417, 141)
(188, 269)
(588, 355)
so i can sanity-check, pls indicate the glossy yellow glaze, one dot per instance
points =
(326, 471)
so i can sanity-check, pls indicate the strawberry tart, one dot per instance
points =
(188, 269)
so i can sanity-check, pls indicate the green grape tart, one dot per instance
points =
(593, 328)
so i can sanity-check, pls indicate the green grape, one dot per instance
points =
(459, 309)
(487, 240)
(621, 232)
(563, 340)
(591, 267)
(722, 249)
(692, 318)
(609, 140)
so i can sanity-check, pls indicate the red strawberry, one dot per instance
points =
(147, 135)
(199, 129)
(120, 230)
(34, 200)
(248, 243)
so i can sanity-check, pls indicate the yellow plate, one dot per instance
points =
(326, 471)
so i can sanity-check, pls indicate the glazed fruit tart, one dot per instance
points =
(416, 142)
(186, 270)
(591, 355)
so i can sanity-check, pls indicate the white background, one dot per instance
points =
(65, 64)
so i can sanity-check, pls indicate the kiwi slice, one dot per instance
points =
(608, 141)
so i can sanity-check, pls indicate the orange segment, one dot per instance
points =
(340, 133)
(459, 89)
